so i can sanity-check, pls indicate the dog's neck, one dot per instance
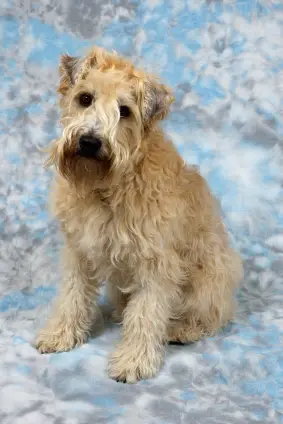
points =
(150, 159)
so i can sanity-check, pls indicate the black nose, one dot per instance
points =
(89, 146)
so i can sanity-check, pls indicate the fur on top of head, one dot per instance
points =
(153, 97)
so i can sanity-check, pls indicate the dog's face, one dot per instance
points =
(107, 108)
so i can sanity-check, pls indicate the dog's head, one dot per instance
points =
(107, 108)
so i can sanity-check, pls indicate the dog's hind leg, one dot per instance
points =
(208, 298)
(117, 298)
(186, 330)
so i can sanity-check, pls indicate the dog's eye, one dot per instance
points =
(85, 99)
(124, 112)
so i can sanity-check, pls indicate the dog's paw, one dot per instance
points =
(128, 365)
(48, 341)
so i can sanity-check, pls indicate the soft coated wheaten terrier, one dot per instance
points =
(134, 215)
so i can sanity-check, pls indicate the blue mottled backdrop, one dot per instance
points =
(224, 59)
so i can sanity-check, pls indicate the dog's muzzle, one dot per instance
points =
(89, 147)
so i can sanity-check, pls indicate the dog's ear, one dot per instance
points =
(69, 69)
(156, 100)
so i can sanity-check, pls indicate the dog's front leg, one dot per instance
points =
(75, 309)
(140, 353)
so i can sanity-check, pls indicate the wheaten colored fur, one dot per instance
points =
(138, 218)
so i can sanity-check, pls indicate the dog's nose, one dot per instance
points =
(89, 146)
(90, 142)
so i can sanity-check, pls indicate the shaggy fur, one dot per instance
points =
(135, 216)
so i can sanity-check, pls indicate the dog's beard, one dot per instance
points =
(114, 158)
(75, 167)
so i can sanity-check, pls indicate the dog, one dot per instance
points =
(134, 215)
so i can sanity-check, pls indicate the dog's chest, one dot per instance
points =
(99, 231)
(123, 229)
